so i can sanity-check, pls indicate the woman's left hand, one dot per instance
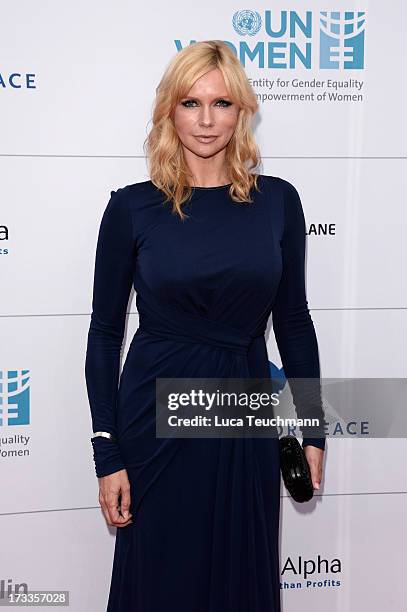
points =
(315, 457)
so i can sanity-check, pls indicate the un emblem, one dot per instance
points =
(246, 22)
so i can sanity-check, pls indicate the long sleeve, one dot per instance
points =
(113, 276)
(292, 322)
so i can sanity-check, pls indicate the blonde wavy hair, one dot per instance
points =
(168, 169)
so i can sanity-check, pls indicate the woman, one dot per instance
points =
(212, 250)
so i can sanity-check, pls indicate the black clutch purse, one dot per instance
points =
(295, 469)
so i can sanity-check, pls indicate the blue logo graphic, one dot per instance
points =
(246, 22)
(278, 377)
(286, 40)
(14, 397)
(342, 39)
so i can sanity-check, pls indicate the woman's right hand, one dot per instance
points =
(110, 488)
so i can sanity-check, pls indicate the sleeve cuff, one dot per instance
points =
(318, 442)
(106, 456)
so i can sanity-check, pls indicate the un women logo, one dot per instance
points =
(246, 22)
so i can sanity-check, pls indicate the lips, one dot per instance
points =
(206, 139)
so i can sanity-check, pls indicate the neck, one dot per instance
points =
(207, 172)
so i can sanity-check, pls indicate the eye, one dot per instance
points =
(224, 103)
(191, 103)
(188, 103)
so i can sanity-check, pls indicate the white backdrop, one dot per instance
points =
(77, 83)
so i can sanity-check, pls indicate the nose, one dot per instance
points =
(206, 116)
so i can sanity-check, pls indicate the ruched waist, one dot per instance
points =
(198, 330)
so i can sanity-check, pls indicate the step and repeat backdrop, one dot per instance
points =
(77, 84)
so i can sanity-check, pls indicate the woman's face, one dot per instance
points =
(206, 119)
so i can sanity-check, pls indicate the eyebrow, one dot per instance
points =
(215, 98)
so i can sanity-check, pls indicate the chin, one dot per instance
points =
(205, 150)
(207, 154)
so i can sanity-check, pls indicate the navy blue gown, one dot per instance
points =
(205, 529)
